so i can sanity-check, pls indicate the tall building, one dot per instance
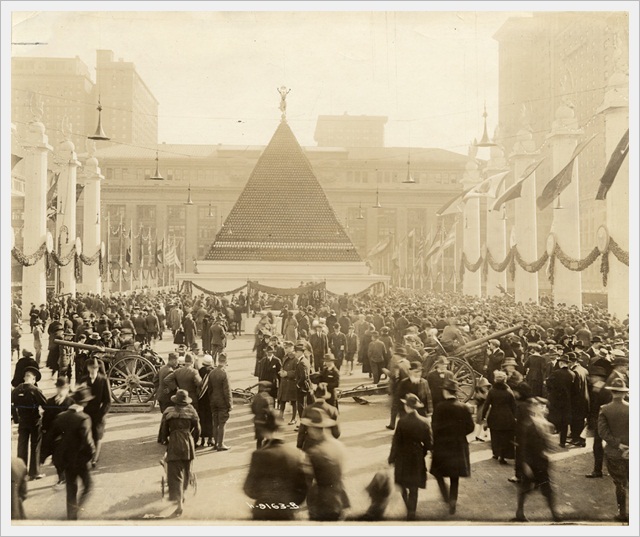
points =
(556, 58)
(65, 89)
(130, 109)
(350, 131)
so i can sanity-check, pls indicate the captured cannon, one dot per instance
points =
(131, 373)
(466, 363)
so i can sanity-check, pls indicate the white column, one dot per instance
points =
(526, 217)
(567, 287)
(66, 223)
(91, 280)
(472, 282)
(34, 281)
(616, 113)
(496, 240)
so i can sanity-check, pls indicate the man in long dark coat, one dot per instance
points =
(320, 345)
(99, 405)
(451, 423)
(559, 389)
(75, 450)
(411, 442)
(268, 370)
(221, 400)
(579, 400)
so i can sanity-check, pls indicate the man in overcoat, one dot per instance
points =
(268, 370)
(320, 345)
(579, 400)
(186, 378)
(221, 400)
(163, 390)
(559, 390)
(98, 407)
(75, 449)
(451, 424)
(411, 442)
(276, 474)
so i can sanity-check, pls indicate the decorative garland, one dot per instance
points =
(620, 254)
(532, 267)
(64, 260)
(551, 268)
(512, 268)
(214, 293)
(500, 267)
(471, 267)
(91, 260)
(29, 260)
(77, 268)
(576, 265)
(604, 267)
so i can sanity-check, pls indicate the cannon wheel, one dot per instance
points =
(466, 377)
(131, 379)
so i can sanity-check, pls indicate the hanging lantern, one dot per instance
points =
(99, 134)
(360, 215)
(189, 200)
(409, 180)
(485, 141)
(156, 175)
(377, 205)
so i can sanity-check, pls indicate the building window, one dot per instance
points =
(140, 174)
(147, 214)
(109, 173)
(170, 174)
(176, 212)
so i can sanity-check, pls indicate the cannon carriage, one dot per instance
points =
(130, 372)
(466, 363)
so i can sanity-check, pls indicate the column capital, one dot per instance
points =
(36, 139)
(616, 95)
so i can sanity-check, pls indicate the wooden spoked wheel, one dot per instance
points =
(466, 377)
(131, 379)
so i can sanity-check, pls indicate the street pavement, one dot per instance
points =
(127, 480)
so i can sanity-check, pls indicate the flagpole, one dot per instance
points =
(108, 261)
(431, 265)
(455, 257)
(413, 261)
(131, 257)
(120, 241)
(442, 260)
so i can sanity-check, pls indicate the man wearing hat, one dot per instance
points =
(163, 390)
(221, 400)
(451, 424)
(399, 368)
(262, 404)
(536, 366)
(186, 378)
(495, 357)
(321, 395)
(55, 405)
(37, 340)
(351, 348)
(579, 400)
(620, 365)
(276, 474)
(21, 366)
(320, 345)
(411, 442)
(268, 370)
(436, 379)
(327, 498)
(98, 407)
(559, 390)
(26, 401)
(337, 344)
(178, 429)
(378, 356)
(302, 377)
(75, 450)
(613, 428)
(418, 386)
(514, 377)
(330, 375)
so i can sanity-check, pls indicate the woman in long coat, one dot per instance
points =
(189, 327)
(500, 407)
(287, 391)
(290, 330)
(206, 335)
(451, 423)
(204, 408)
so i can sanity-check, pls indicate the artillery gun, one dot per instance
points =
(131, 373)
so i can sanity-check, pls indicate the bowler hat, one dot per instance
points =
(298, 347)
(563, 358)
(617, 385)
(596, 339)
(26, 353)
(222, 358)
(483, 383)
(524, 390)
(94, 336)
(415, 366)
(375, 333)
(510, 361)
(34, 371)
(442, 360)
(620, 360)
(573, 357)
(82, 395)
(181, 398)
(412, 401)
(329, 357)
(317, 418)
(451, 385)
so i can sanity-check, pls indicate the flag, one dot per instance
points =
(451, 207)
(562, 180)
(177, 262)
(160, 252)
(615, 161)
(129, 253)
(487, 188)
(435, 245)
(79, 191)
(170, 255)
(515, 190)
(379, 248)
(447, 243)
(14, 160)
(52, 198)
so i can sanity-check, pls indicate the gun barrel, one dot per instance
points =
(478, 342)
(85, 347)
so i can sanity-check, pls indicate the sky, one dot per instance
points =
(216, 74)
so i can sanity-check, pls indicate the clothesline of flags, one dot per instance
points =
(430, 247)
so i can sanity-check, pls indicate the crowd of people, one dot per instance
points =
(558, 377)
